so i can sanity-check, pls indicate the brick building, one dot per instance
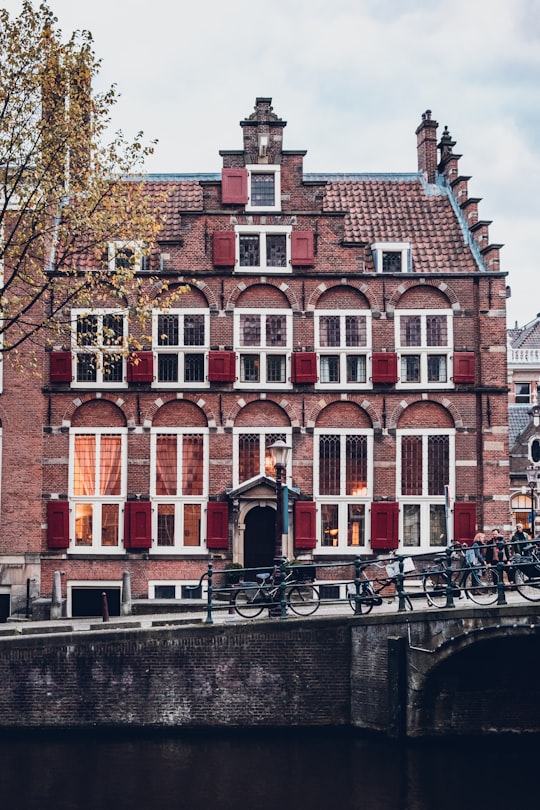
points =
(360, 318)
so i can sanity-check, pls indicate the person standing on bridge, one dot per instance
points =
(520, 539)
(493, 546)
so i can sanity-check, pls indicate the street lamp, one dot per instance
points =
(279, 451)
(532, 480)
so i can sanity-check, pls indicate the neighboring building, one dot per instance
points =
(358, 317)
(524, 434)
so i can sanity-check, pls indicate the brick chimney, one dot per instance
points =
(426, 144)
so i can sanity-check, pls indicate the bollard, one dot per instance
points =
(105, 607)
(125, 607)
(56, 602)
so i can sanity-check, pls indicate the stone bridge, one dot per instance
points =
(429, 672)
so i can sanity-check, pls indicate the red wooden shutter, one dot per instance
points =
(464, 522)
(464, 365)
(217, 525)
(60, 367)
(140, 367)
(221, 366)
(224, 249)
(138, 525)
(384, 525)
(305, 524)
(58, 524)
(384, 367)
(302, 252)
(304, 367)
(234, 186)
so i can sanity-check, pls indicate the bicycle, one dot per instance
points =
(368, 595)
(250, 600)
(479, 584)
(527, 573)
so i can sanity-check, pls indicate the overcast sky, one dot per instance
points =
(351, 78)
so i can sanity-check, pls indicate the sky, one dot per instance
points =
(351, 78)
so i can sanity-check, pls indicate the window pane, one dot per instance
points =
(192, 524)
(193, 330)
(438, 464)
(329, 465)
(391, 261)
(356, 369)
(436, 364)
(410, 327)
(168, 334)
(109, 524)
(436, 330)
(276, 250)
(269, 439)
(276, 330)
(262, 189)
(83, 524)
(329, 330)
(437, 525)
(249, 458)
(164, 592)
(411, 525)
(275, 368)
(523, 392)
(356, 465)
(86, 368)
(330, 369)
(113, 330)
(356, 525)
(250, 330)
(411, 465)
(249, 251)
(113, 367)
(355, 330)
(165, 525)
(110, 465)
(168, 367)
(329, 524)
(166, 465)
(249, 368)
(84, 478)
(194, 368)
(87, 328)
(410, 368)
(192, 465)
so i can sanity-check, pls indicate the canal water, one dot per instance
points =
(265, 771)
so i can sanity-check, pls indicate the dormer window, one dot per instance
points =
(392, 257)
(264, 188)
(124, 256)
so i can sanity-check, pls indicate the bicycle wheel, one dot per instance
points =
(529, 588)
(365, 600)
(434, 585)
(303, 599)
(482, 588)
(246, 603)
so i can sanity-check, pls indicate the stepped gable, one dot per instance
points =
(397, 210)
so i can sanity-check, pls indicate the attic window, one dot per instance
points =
(125, 255)
(392, 257)
(264, 188)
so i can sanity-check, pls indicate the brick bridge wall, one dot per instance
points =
(460, 671)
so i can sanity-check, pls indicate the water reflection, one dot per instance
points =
(264, 770)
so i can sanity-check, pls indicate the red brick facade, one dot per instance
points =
(396, 411)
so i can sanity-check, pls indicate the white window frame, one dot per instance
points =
(178, 584)
(343, 351)
(343, 501)
(263, 434)
(257, 168)
(517, 393)
(97, 501)
(263, 230)
(423, 350)
(134, 245)
(178, 501)
(424, 501)
(99, 348)
(379, 248)
(181, 350)
(263, 351)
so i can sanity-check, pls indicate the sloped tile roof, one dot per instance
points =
(528, 337)
(389, 209)
(518, 421)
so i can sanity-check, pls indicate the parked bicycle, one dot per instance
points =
(369, 592)
(253, 597)
(477, 583)
(527, 573)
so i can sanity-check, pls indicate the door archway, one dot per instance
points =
(259, 538)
